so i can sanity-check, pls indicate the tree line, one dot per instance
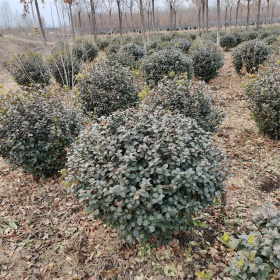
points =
(139, 16)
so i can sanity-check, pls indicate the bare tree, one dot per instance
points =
(267, 10)
(218, 22)
(143, 24)
(119, 5)
(236, 15)
(109, 5)
(258, 14)
(130, 4)
(248, 15)
(70, 3)
(93, 20)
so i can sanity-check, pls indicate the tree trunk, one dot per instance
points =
(203, 15)
(120, 17)
(90, 23)
(154, 19)
(226, 18)
(175, 19)
(207, 15)
(33, 15)
(101, 23)
(131, 18)
(272, 14)
(241, 23)
(72, 23)
(93, 21)
(171, 17)
(199, 15)
(126, 25)
(143, 24)
(236, 15)
(248, 15)
(80, 21)
(258, 14)
(110, 16)
(40, 21)
(149, 28)
(267, 13)
(218, 22)
(230, 13)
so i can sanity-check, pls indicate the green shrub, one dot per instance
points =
(249, 55)
(138, 40)
(63, 65)
(103, 44)
(146, 172)
(192, 36)
(207, 59)
(228, 41)
(107, 87)
(264, 35)
(264, 98)
(159, 64)
(124, 58)
(113, 48)
(29, 68)
(136, 51)
(258, 254)
(36, 129)
(238, 37)
(191, 99)
(85, 50)
(270, 40)
(183, 44)
(250, 35)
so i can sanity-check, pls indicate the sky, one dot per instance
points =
(45, 12)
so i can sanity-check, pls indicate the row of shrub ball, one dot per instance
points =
(135, 145)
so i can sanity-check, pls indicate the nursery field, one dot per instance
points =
(46, 234)
(130, 161)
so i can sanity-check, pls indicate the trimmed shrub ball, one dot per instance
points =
(161, 63)
(146, 172)
(29, 68)
(191, 99)
(85, 50)
(107, 87)
(264, 98)
(228, 41)
(249, 55)
(36, 129)
(207, 59)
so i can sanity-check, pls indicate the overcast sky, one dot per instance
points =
(15, 5)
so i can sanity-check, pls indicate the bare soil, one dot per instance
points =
(46, 234)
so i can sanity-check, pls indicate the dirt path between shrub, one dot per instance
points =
(46, 234)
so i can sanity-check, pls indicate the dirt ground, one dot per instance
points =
(46, 234)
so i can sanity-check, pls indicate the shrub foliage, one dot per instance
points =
(85, 50)
(29, 68)
(146, 172)
(207, 59)
(264, 98)
(249, 55)
(107, 87)
(159, 64)
(35, 130)
(258, 252)
(191, 99)
(228, 41)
